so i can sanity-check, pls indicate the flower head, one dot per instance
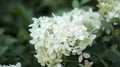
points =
(17, 65)
(58, 36)
(113, 8)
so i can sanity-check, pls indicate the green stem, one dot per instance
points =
(70, 61)
(104, 63)
(20, 55)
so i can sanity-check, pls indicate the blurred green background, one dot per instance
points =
(15, 16)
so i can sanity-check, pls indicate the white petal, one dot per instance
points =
(59, 65)
(18, 65)
(86, 55)
(80, 58)
(79, 51)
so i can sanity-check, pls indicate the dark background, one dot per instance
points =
(15, 16)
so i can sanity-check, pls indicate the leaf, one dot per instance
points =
(1, 31)
(112, 56)
(19, 49)
(10, 40)
(48, 2)
(2, 50)
(107, 25)
(75, 4)
(7, 40)
(117, 32)
(107, 38)
(97, 49)
(86, 7)
(114, 49)
(8, 19)
(61, 11)
(23, 34)
(71, 58)
(24, 14)
(117, 64)
(84, 2)
(72, 65)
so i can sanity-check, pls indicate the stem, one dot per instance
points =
(103, 44)
(104, 63)
(20, 55)
(70, 61)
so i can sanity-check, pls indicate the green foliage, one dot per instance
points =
(2, 50)
(75, 4)
(1, 31)
(82, 4)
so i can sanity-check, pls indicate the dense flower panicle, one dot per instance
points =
(17, 65)
(58, 36)
(110, 7)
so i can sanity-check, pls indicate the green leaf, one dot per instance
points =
(117, 32)
(23, 13)
(107, 38)
(84, 2)
(112, 54)
(7, 40)
(72, 58)
(108, 26)
(86, 7)
(19, 49)
(117, 64)
(75, 4)
(2, 50)
(114, 49)
(8, 19)
(97, 49)
(61, 11)
(1, 31)
(23, 34)
(72, 65)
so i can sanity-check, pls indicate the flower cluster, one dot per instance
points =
(17, 65)
(58, 36)
(110, 7)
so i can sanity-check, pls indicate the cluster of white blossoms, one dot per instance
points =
(58, 36)
(17, 65)
(110, 7)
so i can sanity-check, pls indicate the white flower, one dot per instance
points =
(86, 64)
(113, 8)
(58, 36)
(83, 55)
(17, 65)
(59, 65)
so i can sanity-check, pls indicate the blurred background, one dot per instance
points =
(15, 16)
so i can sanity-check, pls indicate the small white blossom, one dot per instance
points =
(86, 55)
(17, 65)
(80, 58)
(86, 64)
(113, 8)
(59, 65)
(83, 55)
